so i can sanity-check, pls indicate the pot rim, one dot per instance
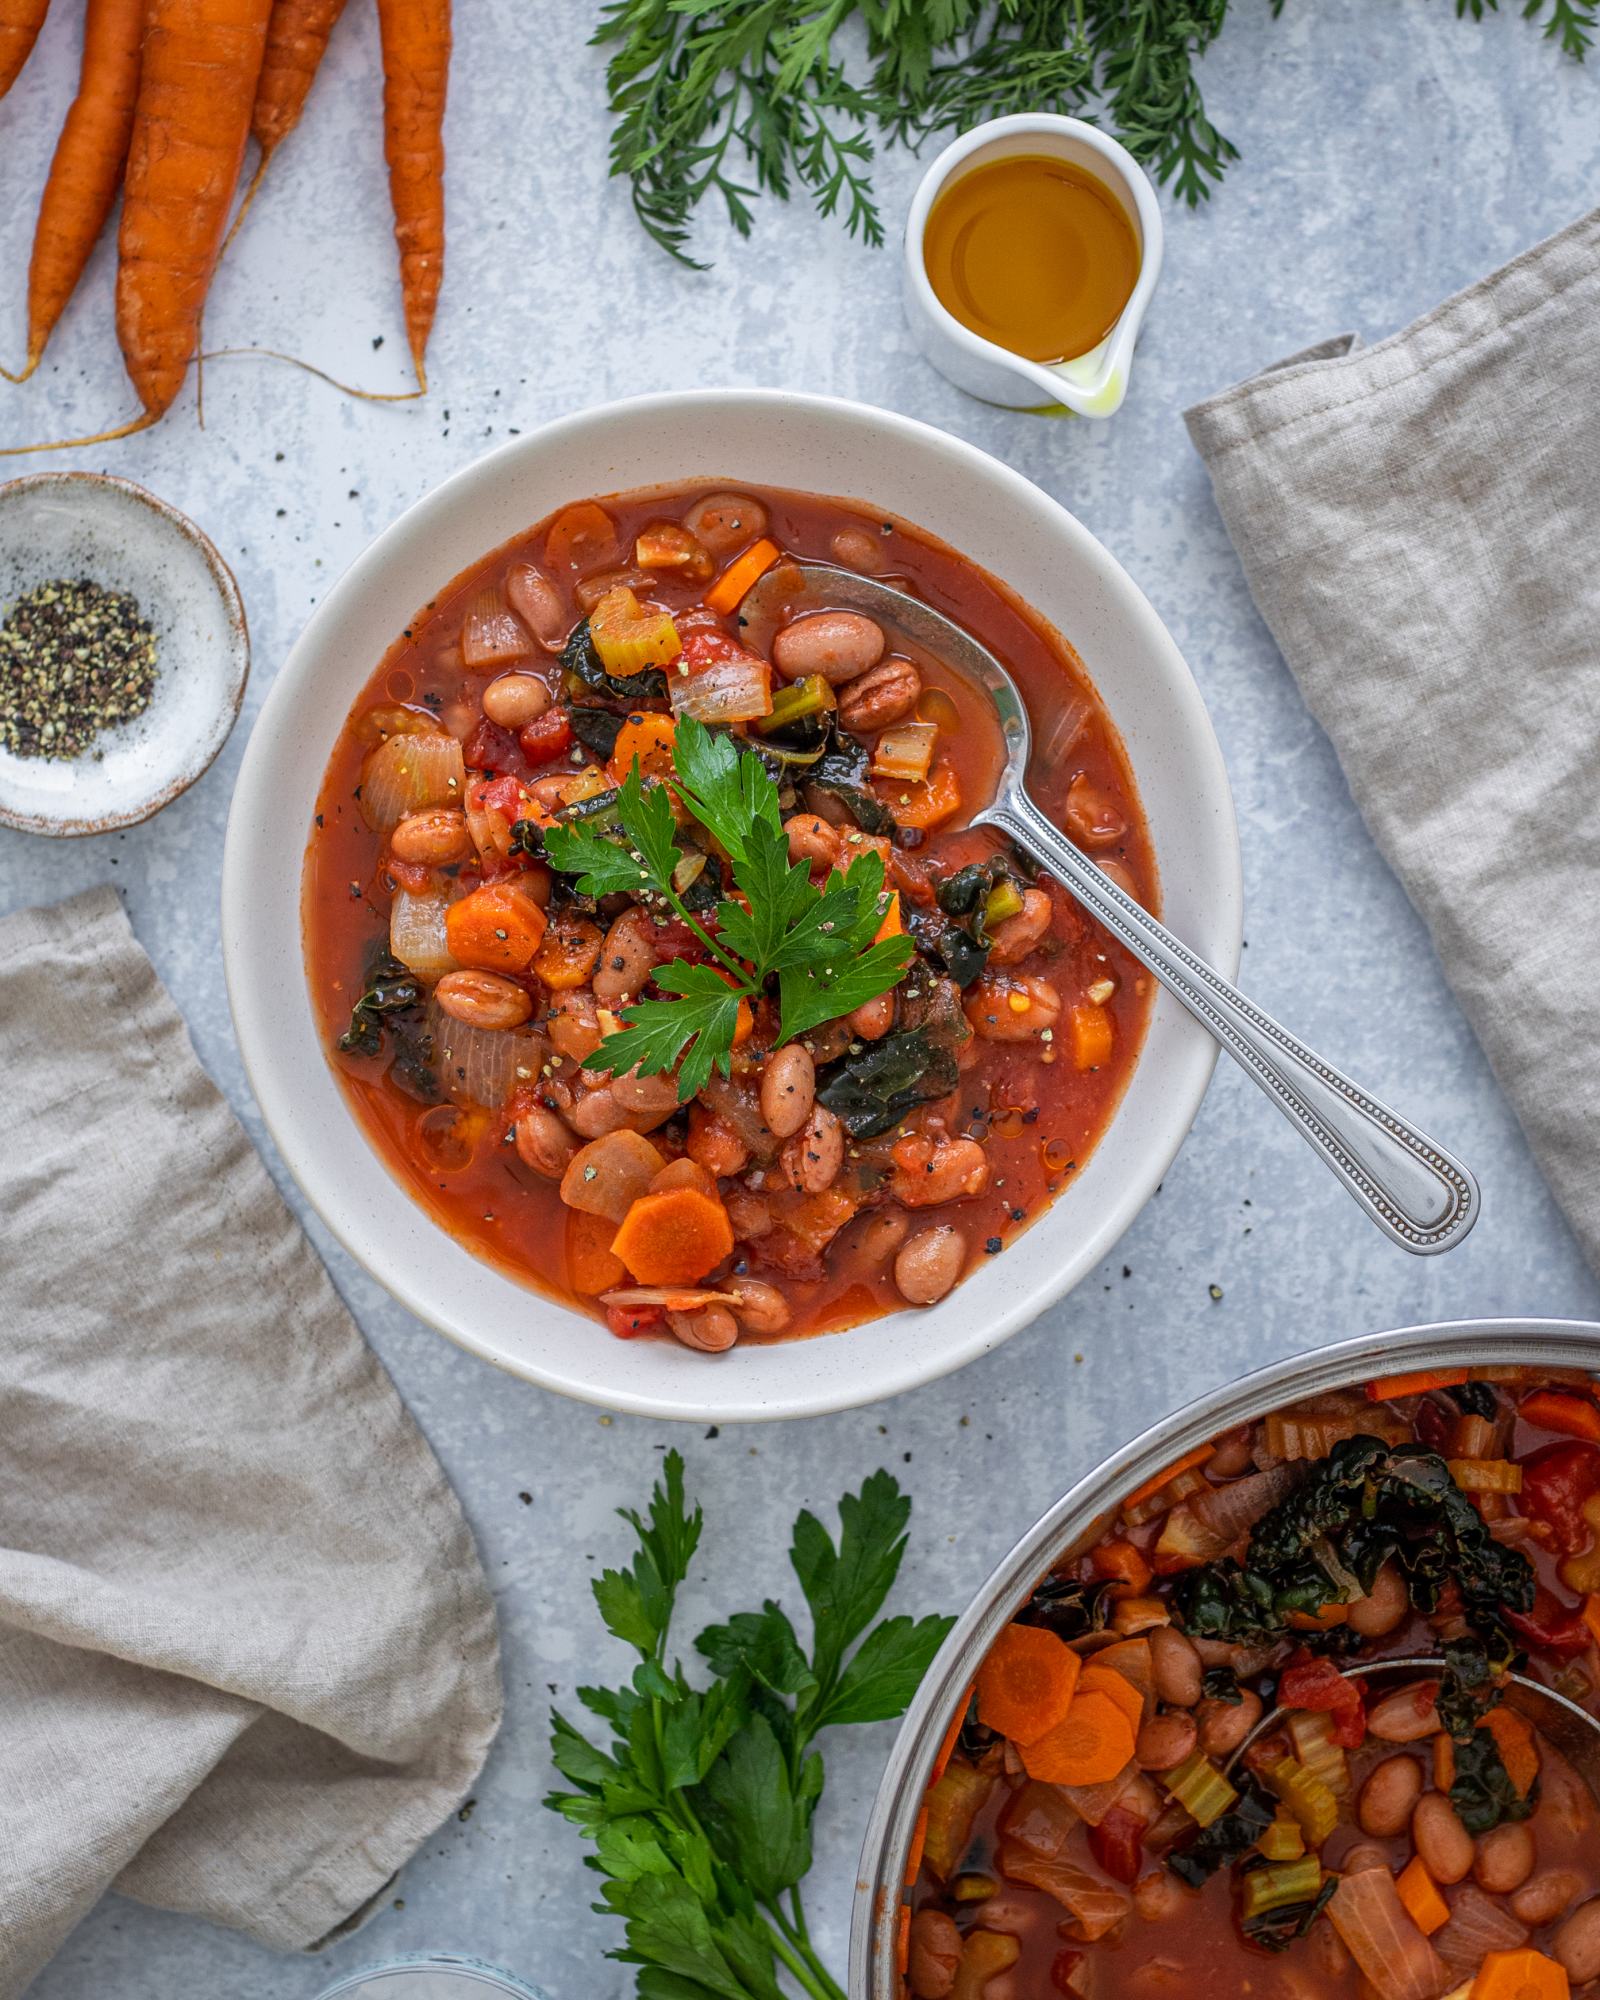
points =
(1554, 1343)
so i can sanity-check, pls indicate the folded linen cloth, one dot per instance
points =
(248, 1656)
(1417, 521)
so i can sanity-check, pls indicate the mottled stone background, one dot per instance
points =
(1390, 155)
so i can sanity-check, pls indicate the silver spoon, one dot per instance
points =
(1572, 1729)
(1418, 1194)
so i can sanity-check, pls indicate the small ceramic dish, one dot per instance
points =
(1089, 385)
(88, 524)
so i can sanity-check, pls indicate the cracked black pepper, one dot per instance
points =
(75, 660)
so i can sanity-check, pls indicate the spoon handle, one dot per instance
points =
(1418, 1195)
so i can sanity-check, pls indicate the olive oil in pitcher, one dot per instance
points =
(1032, 253)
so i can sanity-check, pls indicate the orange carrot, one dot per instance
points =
(1513, 1738)
(684, 1173)
(1426, 1908)
(902, 1938)
(1120, 1562)
(1520, 1975)
(1089, 1032)
(1444, 1762)
(1151, 1487)
(649, 738)
(1572, 1416)
(87, 167)
(919, 1842)
(591, 1267)
(20, 22)
(1026, 1684)
(891, 927)
(196, 88)
(1097, 1679)
(951, 1737)
(1090, 1746)
(673, 1238)
(497, 928)
(415, 35)
(921, 802)
(297, 40)
(730, 588)
(1387, 1388)
(1131, 1659)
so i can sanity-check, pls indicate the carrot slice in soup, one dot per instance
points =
(1091, 1745)
(1025, 1686)
(497, 928)
(1100, 1679)
(674, 1238)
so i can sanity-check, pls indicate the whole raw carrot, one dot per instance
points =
(416, 65)
(20, 22)
(87, 166)
(197, 87)
(297, 40)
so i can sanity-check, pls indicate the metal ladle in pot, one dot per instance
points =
(1570, 1727)
(1418, 1194)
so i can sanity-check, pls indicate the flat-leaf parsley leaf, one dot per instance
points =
(701, 1811)
(819, 944)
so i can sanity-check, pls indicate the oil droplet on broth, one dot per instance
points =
(1032, 253)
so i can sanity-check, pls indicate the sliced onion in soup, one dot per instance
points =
(417, 934)
(492, 634)
(483, 1065)
(407, 773)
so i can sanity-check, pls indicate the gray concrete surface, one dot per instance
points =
(1391, 153)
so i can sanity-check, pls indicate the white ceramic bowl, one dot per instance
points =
(76, 524)
(711, 437)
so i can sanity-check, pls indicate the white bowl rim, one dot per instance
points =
(256, 1027)
(205, 746)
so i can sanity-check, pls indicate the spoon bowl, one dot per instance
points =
(1418, 1194)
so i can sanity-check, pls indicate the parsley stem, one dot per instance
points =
(818, 1983)
(799, 1934)
(732, 964)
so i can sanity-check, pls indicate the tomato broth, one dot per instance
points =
(1035, 1103)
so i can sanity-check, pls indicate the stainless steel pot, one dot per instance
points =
(1079, 1516)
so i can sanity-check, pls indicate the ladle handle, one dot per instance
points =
(1418, 1195)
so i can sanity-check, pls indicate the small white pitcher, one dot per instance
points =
(1089, 385)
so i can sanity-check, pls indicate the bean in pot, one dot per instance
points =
(1577, 1944)
(1225, 1724)
(1179, 1678)
(929, 1264)
(813, 1157)
(432, 839)
(1166, 1740)
(1406, 1716)
(935, 1955)
(788, 1089)
(726, 522)
(1389, 1797)
(537, 603)
(1543, 1897)
(759, 1308)
(857, 549)
(1439, 1837)
(1384, 1607)
(514, 700)
(884, 694)
(1505, 1858)
(836, 644)
(711, 1330)
(544, 1144)
(483, 999)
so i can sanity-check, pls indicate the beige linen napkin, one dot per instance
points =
(248, 1657)
(1419, 522)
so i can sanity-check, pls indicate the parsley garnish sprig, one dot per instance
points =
(818, 943)
(701, 1809)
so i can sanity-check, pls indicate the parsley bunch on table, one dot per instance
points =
(735, 97)
(817, 943)
(701, 1808)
